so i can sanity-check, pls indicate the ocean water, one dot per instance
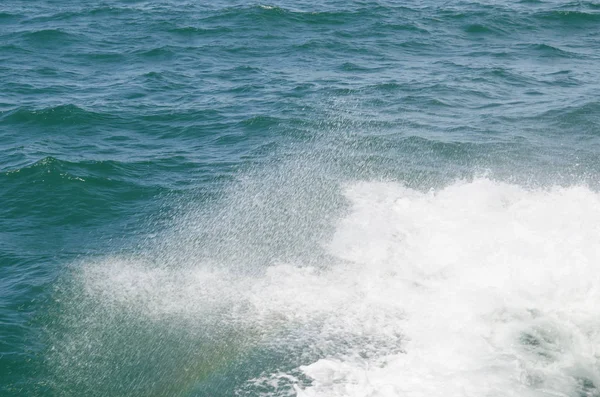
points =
(300, 198)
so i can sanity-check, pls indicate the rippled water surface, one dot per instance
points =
(339, 198)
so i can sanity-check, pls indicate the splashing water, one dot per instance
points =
(478, 288)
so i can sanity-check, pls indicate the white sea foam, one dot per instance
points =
(479, 289)
(499, 285)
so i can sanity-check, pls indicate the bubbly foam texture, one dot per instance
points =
(499, 286)
(478, 289)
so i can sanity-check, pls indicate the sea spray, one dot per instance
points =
(481, 287)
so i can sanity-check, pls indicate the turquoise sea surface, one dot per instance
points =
(300, 198)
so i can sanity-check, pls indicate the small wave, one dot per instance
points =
(89, 177)
(48, 162)
(510, 77)
(102, 56)
(478, 28)
(334, 46)
(48, 167)
(197, 31)
(50, 36)
(164, 52)
(276, 14)
(182, 115)
(454, 14)
(261, 122)
(6, 16)
(547, 50)
(229, 14)
(586, 117)
(81, 13)
(390, 86)
(110, 11)
(353, 67)
(401, 27)
(56, 115)
(245, 69)
(570, 18)
(273, 9)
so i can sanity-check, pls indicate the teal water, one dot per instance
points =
(263, 199)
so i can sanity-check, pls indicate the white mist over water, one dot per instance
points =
(478, 289)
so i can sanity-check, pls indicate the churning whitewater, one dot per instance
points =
(478, 288)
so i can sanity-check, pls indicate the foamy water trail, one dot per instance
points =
(478, 289)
